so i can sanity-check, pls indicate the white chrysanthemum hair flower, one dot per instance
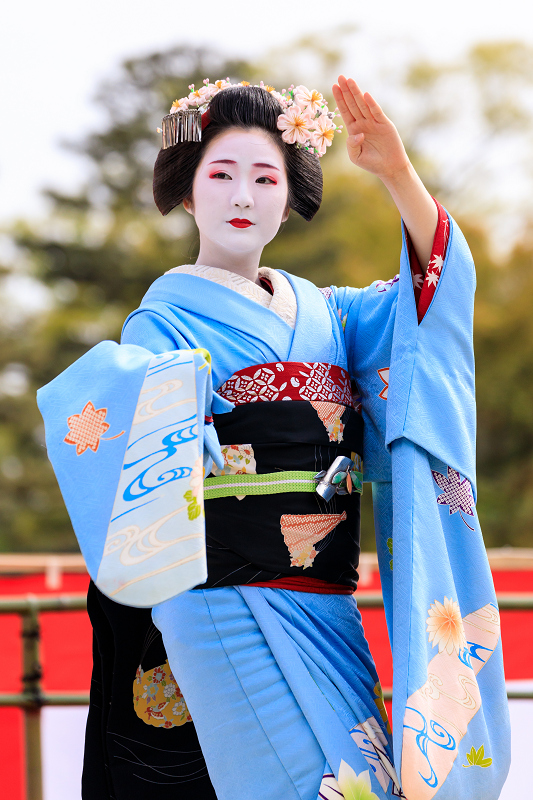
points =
(323, 132)
(295, 125)
(309, 99)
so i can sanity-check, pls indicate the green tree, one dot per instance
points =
(504, 351)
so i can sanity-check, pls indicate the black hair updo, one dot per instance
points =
(238, 107)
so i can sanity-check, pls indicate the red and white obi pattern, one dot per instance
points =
(289, 380)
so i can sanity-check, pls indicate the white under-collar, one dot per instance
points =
(282, 301)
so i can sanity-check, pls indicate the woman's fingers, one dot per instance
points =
(354, 98)
(346, 114)
(373, 142)
(374, 108)
(345, 101)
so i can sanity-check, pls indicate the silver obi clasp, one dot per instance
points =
(340, 478)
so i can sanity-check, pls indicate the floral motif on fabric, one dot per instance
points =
(384, 375)
(438, 714)
(302, 531)
(289, 380)
(195, 495)
(476, 758)
(355, 786)
(86, 429)
(239, 459)
(157, 698)
(330, 415)
(445, 626)
(327, 291)
(457, 493)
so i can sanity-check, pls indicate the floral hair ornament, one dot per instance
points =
(305, 121)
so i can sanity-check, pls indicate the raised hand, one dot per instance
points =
(373, 144)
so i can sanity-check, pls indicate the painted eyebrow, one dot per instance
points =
(228, 161)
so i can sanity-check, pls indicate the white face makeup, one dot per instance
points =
(239, 198)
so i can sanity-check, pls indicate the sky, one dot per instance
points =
(53, 55)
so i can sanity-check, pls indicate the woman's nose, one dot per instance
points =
(243, 196)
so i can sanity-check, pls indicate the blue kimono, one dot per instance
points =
(280, 684)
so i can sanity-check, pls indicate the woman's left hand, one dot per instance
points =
(373, 144)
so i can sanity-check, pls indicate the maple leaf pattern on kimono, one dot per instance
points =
(457, 493)
(87, 428)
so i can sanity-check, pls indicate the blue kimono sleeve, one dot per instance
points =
(450, 716)
(129, 434)
(148, 329)
(368, 317)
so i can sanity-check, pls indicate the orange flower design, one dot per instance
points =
(87, 428)
(445, 626)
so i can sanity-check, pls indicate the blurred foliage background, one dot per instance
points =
(93, 259)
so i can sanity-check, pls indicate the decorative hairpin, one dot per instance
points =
(185, 126)
(305, 121)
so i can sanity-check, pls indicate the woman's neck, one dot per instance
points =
(244, 264)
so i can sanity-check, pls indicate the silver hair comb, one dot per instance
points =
(182, 126)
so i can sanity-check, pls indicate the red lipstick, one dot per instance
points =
(240, 223)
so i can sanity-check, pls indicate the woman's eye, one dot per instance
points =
(222, 175)
(265, 179)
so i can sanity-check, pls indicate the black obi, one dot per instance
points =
(273, 536)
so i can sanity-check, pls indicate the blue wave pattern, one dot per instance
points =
(138, 487)
(423, 739)
(159, 551)
(471, 652)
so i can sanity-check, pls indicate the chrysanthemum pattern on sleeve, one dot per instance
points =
(438, 714)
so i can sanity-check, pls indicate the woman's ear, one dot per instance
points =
(188, 205)
(285, 216)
